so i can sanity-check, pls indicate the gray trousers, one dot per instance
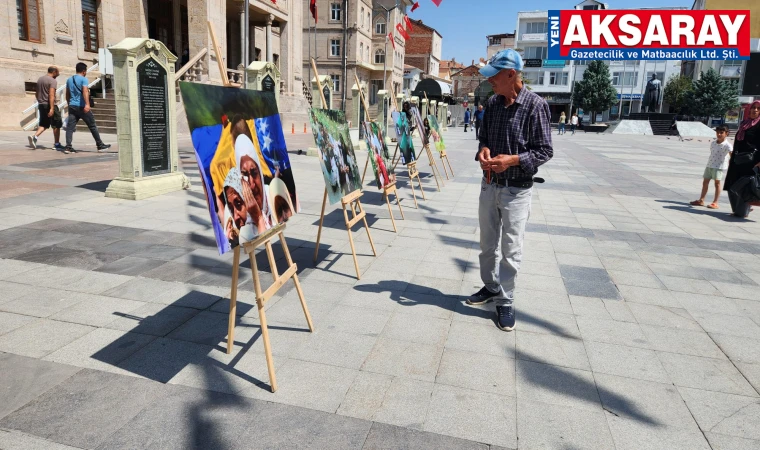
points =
(503, 214)
(75, 114)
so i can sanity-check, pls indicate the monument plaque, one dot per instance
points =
(326, 91)
(154, 127)
(267, 84)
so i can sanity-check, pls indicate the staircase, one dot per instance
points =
(660, 122)
(104, 112)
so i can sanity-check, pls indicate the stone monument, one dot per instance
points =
(316, 101)
(653, 94)
(145, 120)
(264, 76)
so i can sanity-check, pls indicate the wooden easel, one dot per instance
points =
(444, 161)
(412, 165)
(262, 297)
(390, 188)
(433, 165)
(352, 200)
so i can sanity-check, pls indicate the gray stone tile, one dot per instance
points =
(41, 337)
(85, 409)
(95, 310)
(649, 296)
(170, 423)
(738, 348)
(714, 322)
(544, 425)
(477, 371)
(130, 266)
(543, 300)
(340, 349)
(595, 274)
(38, 301)
(575, 260)
(354, 320)
(9, 322)
(389, 437)
(727, 414)
(556, 385)
(172, 271)
(469, 415)
(688, 285)
(101, 349)
(723, 442)
(687, 342)
(123, 248)
(306, 429)
(152, 319)
(404, 359)
(635, 435)
(412, 328)
(548, 322)
(591, 288)
(550, 349)
(405, 403)
(166, 293)
(705, 373)
(732, 290)
(630, 362)
(636, 279)
(366, 395)
(664, 317)
(695, 303)
(751, 372)
(22, 441)
(26, 378)
(541, 283)
(612, 332)
(163, 359)
(480, 338)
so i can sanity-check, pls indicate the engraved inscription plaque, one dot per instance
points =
(154, 117)
(267, 84)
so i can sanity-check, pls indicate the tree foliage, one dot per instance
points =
(712, 96)
(677, 91)
(595, 92)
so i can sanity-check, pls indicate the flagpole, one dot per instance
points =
(385, 50)
(310, 57)
(643, 83)
(622, 87)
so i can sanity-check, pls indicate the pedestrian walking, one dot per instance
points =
(448, 117)
(515, 139)
(466, 119)
(78, 98)
(478, 120)
(561, 123)
(50, 115)
(573, 123)
(744, 158)
(720, 152)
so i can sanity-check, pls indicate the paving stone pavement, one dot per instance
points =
(638, 316)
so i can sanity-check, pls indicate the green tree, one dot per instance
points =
(595, 92)
(677, 91)
(712, 96)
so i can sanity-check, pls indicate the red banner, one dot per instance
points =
(437, 2)
(408, 23)
(393, 41)
(402, 32)
(415, 6)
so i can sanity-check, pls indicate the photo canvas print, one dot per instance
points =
(241, 154)
(403, 137)
(336, 152)
(378, 155)
(435, 133)
(417, 117)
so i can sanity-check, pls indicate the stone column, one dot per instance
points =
(382, 116)
(270, 58)
(242, 33)
(400, 101)
(424, 108)
(177, 27)
(445, 115)
(145, 120)
(434, 111)
(415, 101)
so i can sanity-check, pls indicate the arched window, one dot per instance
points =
(369, 21)
(379, 56)
(380, 27)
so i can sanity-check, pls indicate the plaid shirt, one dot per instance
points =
(522, 128)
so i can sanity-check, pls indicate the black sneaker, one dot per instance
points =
(505, 317)
(68, 149)
(103, 147)
(481, 297)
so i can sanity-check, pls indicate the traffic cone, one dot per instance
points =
(292, 128)
(304, 128)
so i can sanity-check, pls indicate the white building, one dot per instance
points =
(553, 80)
(412, 76)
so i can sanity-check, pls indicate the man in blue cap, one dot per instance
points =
(515, 139)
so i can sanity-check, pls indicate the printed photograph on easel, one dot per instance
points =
(435, 133)
(378, 155)
(404, 137)
(243, 160)
(336, 152)
(421, 129)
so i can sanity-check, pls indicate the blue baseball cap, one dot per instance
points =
(505, 59)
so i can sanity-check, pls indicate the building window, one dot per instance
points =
(379, 57)
(28, 18)
(335, 11)
(535, 52)
(624, 78)
(380, 27)
(590, 6)
(535, 27)
(334, 47)
(335, 83)
(558, 78)
(369, 21)
(536, 78)
(361, 52)
(494, 41)
(90, 25)
(660, 76)
(361, 17)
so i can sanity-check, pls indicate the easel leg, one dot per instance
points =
(414, 195)
(365, 169)
(351, 241)
(297, 283)
(390, 211)
(445, 170)
(321, 220)
(366, 225)
(398, 202)
(433, 168)
(395, 161)
(421, 190)
(263, 321)
(450, 168)
(233, 300)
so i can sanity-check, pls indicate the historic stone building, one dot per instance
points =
(424, 49)
(40, 33)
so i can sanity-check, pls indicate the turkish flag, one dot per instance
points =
(415, 6)
(393, 41)
(313, 9)
(402, 32)
(408, 23)
(437, 2)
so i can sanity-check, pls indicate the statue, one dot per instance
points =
(652, 94)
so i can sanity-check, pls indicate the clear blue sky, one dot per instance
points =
(464, 24)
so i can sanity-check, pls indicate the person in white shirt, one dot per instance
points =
(720, 151)
(573, 123)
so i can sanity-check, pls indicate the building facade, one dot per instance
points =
(423, 50)
(448, 68)
(41, 33)
(499, 42)
(412, 76)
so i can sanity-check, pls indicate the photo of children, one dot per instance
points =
(404, 137)
(435, 133)
(241, 153)
(378, 155)
(336, 152)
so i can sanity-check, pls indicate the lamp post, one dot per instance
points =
(385, 50)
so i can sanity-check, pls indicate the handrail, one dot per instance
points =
(181, 72)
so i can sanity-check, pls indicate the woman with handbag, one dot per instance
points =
(745, 157)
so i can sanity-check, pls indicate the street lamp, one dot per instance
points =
(385, 50)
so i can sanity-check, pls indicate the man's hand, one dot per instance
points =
(502, 162)
(50, 113)
(484, 157)
(87, 108)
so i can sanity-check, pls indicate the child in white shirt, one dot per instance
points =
(720, 151)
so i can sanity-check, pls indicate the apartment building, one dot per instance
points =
(423, 50)
(499, 42)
